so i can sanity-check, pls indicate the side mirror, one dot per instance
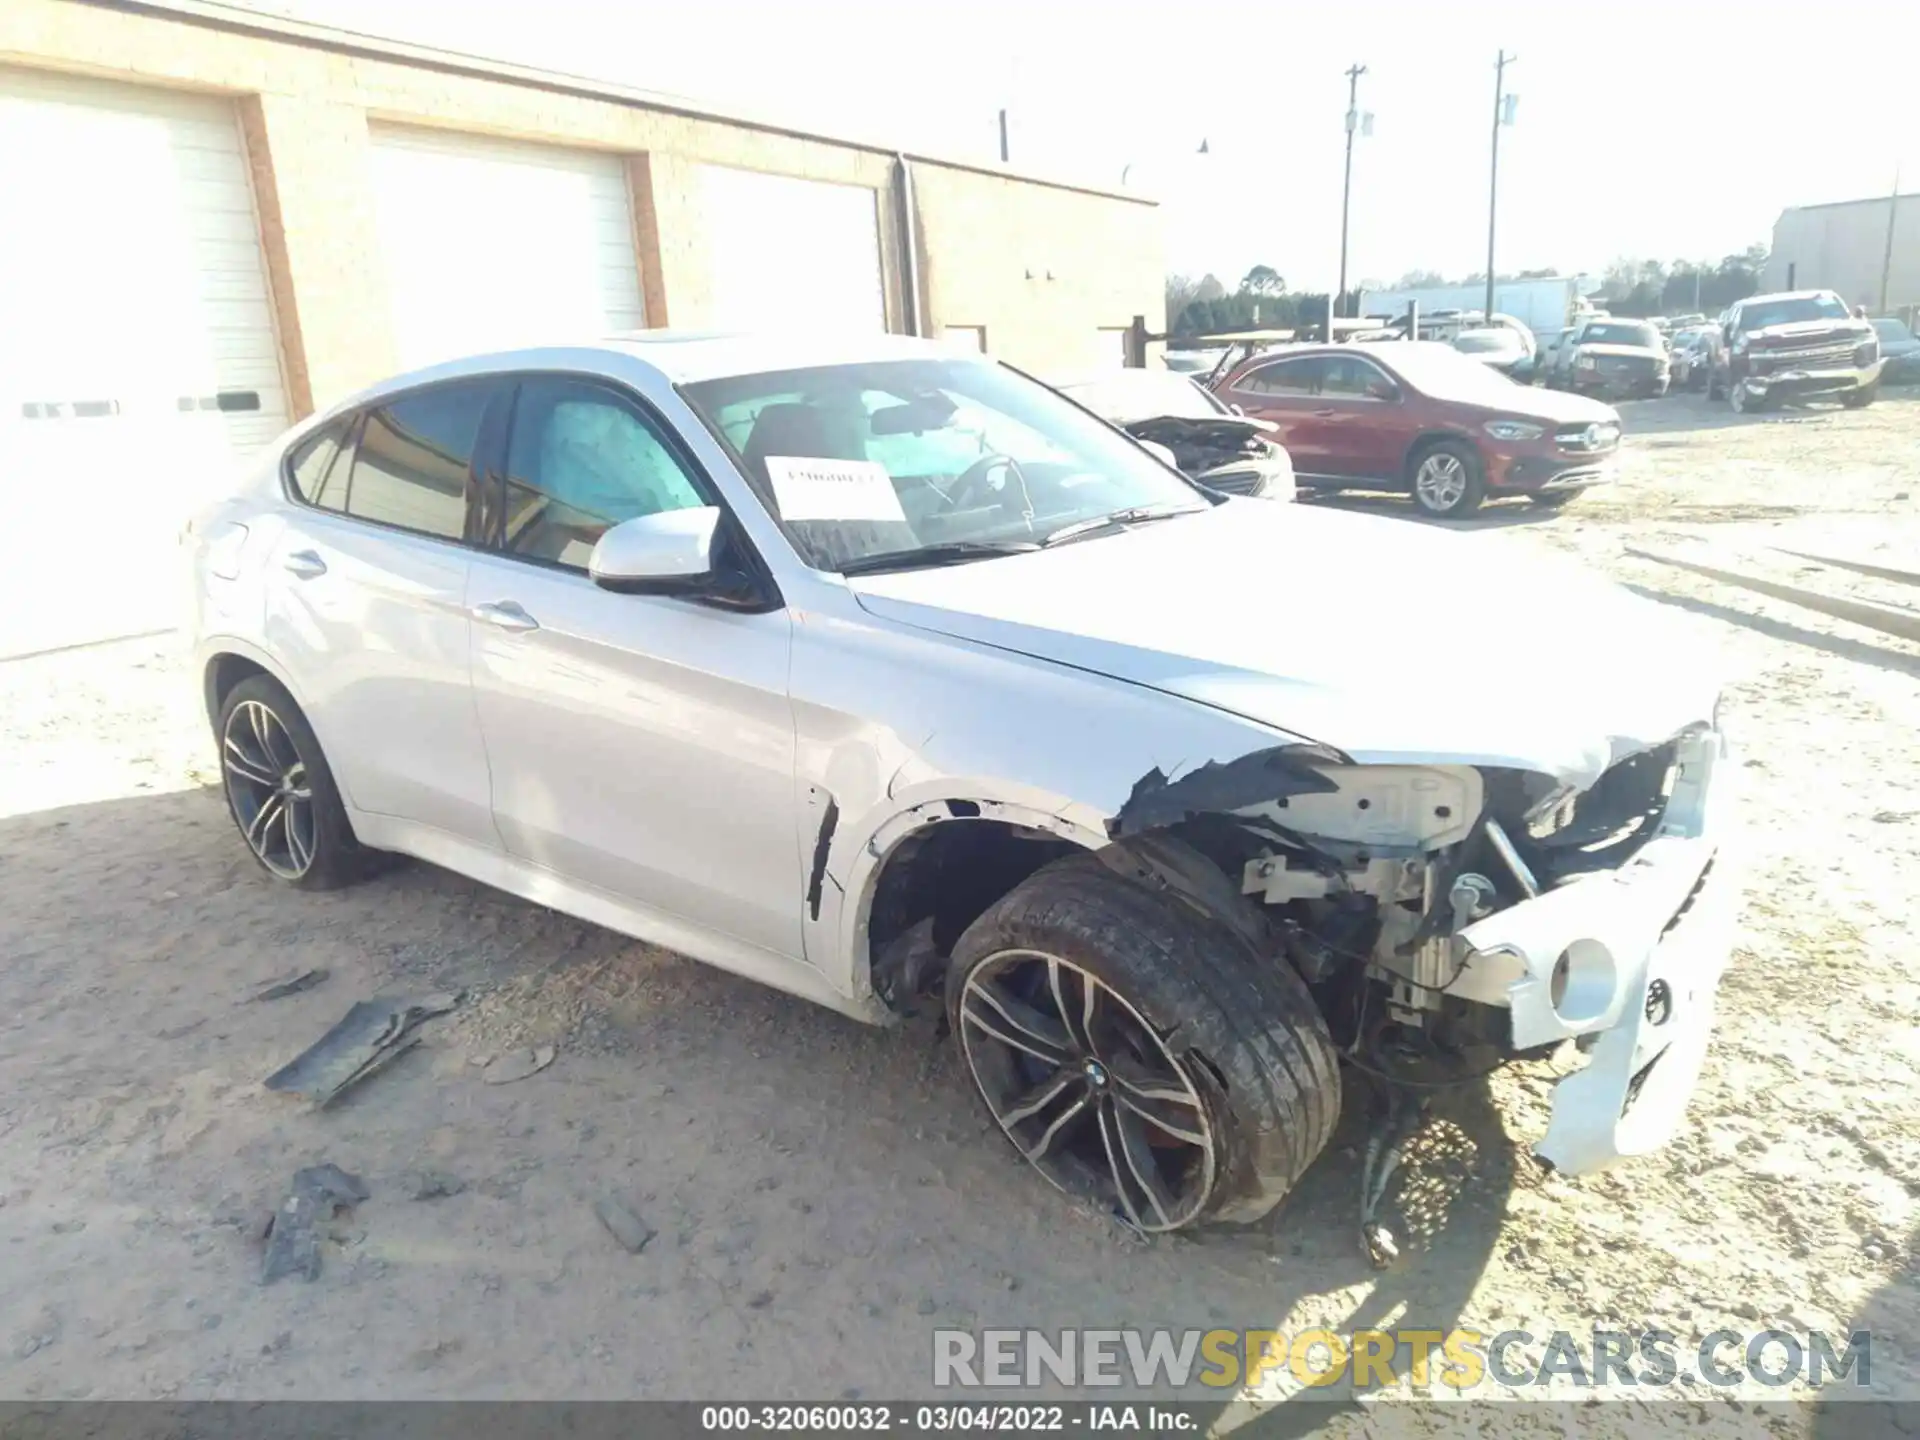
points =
(1382, 390)
(670, 553)
(1161, 453)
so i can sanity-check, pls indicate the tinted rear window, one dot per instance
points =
(410, 467)
(318, 477)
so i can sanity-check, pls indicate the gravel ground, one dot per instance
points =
(826, 1195)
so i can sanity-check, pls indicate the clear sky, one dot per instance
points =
(1656, 130)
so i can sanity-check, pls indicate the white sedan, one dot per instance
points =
(883, 674)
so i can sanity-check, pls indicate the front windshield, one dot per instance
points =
(1645, 337)
(892, 457)
(1791, 311)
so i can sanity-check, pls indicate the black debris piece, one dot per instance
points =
(369, 1037)
(319, 1192)
(629, 1229)
(288, 985)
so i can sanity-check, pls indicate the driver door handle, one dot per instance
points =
(1325, 414)
(506, 615)
(305, 564)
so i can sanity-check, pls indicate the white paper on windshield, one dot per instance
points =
(810, 489)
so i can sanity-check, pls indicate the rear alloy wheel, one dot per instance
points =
(1446, 480)
(1138, 1054)
(281, 793)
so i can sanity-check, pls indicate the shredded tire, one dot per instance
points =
(1243, 1025)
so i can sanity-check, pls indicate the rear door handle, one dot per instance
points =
(305, 564)
(506, 615)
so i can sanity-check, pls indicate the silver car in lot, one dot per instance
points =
(887, 676)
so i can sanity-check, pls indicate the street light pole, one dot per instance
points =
(1354, 73)
(1493, 179)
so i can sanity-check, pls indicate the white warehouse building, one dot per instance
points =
(1543, 305)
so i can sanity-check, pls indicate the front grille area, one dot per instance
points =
(1587, 439)
(1595, 830)
(1806, 357)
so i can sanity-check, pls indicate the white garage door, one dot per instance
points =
(137, 351)
(491, 244)
(791, 254)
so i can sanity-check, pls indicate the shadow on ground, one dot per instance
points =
(827, 1195)
(1860, 651)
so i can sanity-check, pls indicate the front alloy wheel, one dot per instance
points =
(1085, 1089)
(267, 787)
(1140, 1055)
(1446, 480)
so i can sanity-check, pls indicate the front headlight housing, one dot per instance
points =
(1866, 352)
(1513, 430)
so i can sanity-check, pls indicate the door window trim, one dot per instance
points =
(1283, 362)
(496, 442)
(356, 418)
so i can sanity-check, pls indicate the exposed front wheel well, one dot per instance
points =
(223, 673)
(949, 874)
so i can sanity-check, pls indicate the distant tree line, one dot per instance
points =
(1262, 302)
(1643, 287)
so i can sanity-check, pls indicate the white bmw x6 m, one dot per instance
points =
(879, 673)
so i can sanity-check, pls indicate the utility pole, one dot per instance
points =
(1003, 135)
(1354, 73)
(1501, 116)
(1886, 260)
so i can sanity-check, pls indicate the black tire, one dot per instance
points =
(1715, 390)
(1471, 492)
(1248, 1084)
(1552, 499)
(274, 775)
(1861, 396)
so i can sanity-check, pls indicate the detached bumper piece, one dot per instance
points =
(1627, 963)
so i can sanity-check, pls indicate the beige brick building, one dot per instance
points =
(213, 222)
(1049, 273)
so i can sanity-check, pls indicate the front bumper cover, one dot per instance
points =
(1819, 380)
(1647, 944)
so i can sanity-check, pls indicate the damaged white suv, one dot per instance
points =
(880, 673)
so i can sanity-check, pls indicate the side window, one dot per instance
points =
(1353, 379)
(410, 467)
(1286, 377)
(319, 476)
(579, 462)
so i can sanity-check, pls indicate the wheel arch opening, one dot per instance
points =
(222, 674)
(949, 873)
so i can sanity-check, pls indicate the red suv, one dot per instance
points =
(1423, 418)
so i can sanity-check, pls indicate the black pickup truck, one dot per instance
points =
(1795, 345)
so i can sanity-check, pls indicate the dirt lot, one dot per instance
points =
(827, 1195)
